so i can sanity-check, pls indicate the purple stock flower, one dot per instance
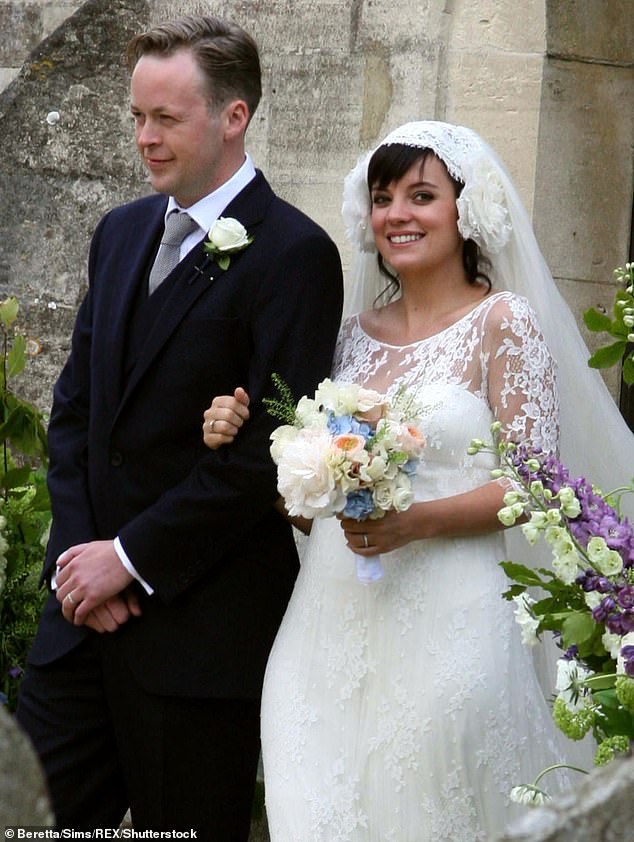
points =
(15, 671)
(620, 624)
(602, 611)
(625, 597)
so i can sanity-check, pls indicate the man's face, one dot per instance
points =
(180, 140)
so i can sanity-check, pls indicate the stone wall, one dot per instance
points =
(550, 89)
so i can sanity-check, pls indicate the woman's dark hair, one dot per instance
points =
(390, 163)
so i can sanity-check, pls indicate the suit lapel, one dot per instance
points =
(196, 273)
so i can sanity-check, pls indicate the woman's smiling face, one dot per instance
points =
(415, 219)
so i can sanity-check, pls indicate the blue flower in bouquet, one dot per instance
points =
(410, 467)
(341, 425)
(359, 504)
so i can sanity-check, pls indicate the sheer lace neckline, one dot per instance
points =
(486, 300)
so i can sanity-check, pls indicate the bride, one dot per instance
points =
(406, 710)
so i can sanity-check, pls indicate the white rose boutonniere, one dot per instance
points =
(226, 236)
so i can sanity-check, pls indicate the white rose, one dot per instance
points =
(393, 494)
(227, 234)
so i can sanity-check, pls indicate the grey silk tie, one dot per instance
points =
(177, 226)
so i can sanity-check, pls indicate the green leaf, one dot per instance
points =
(577, 628)
(16, 357)
(599, 683)
(628, 370)
(9, 311)
(16, 477)
(609, 355)
(514, 590)
(22, 427)
(596, 321)
(520, 573)
(223, 261)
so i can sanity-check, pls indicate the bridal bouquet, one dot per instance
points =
(588, 597)
(348, 450)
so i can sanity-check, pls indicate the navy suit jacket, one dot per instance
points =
(126, 450)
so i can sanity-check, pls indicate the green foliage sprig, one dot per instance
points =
(283, 407)
(620, 327)
(24, 509)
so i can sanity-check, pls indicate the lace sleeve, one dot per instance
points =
(522, 377)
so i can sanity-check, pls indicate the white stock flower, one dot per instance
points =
(566, 566)
(531, 532)
(227, 234)
(592, 599)
(612, 643)
(626, 640)
(527, 622)
(509, 514)
(607, 561)
(570, 678)
(347, 398)
(530, 796)
(308, 414)
(304, 477)
(570, 506)
(565, 556)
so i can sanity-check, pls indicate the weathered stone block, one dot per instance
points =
(23, 795)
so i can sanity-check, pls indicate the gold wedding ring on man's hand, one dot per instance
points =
(69, 597)
(210, 424)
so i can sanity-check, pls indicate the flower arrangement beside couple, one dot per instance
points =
(408, 709)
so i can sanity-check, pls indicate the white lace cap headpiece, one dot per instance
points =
(482, 211)
(595, 441)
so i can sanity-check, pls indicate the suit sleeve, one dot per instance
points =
(294, 320)
(73, 518)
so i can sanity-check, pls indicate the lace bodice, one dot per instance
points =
(496, 352)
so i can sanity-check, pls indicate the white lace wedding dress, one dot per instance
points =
(406, 710)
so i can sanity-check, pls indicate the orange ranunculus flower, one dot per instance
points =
(348, 444)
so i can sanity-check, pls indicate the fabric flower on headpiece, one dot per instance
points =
(482, 212)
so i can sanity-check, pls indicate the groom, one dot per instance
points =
(169, 566)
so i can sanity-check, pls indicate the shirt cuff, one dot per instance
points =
(125, 561)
